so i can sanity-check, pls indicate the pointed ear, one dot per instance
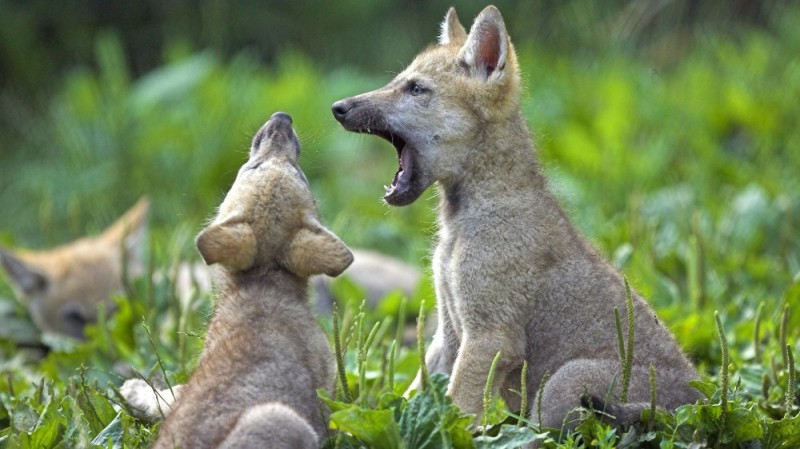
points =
(486, 48)
(27, 278)
(316, 250)
(452, 31)
(129, 234)
(232, 245)
(135, 241)
(131, 222)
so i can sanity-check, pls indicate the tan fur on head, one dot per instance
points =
(312, 250)
(269, 218)
(64, 286)
(131, 229)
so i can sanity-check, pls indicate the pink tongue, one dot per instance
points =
(405, 167)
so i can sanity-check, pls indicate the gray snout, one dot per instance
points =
(280, 122)
(281, 116)
(276, 134)
(341, 108)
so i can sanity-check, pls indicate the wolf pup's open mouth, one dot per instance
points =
(400, 191)
(402, 177)
(356, 115)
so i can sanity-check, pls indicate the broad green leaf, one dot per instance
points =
(783, 434)
(51, 423)
(744, 424)
(706, 388)
(333, 405)
(510, 437)
(376, 428)
(431, 420)
(112, 432)
(96, 408)
(23, 417)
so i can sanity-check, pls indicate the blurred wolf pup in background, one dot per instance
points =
(513, 277)
(63, 287)
(264, 356)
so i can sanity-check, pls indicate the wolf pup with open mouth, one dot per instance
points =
(264, 356)
(512, 274)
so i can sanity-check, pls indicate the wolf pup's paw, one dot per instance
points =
(146, 403)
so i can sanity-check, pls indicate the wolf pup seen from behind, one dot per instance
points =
(512, 275)
(264, 356)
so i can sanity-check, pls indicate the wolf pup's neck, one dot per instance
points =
(495, 169)
(257, 285)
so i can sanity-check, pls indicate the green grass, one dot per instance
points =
(685, 178)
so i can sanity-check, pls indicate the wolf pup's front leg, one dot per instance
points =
(472, 366)
(443, 350)
(148, 404)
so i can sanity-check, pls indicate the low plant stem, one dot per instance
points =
(782, 331)
(362, 363)
(626, 374)
(790, 381)
(487, 392)
(390, 368)
(523, 392)
(423, 368)
(337, 346)
(625, 353)
(545, 378)
(653, 398)
(757, 332)
(723, 395)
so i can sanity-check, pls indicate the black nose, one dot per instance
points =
(340, 109)
(281, 116)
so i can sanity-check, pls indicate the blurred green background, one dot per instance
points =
(668, 128)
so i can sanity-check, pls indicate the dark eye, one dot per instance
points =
(415, 89)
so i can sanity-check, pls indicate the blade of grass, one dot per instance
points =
(390, 369)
